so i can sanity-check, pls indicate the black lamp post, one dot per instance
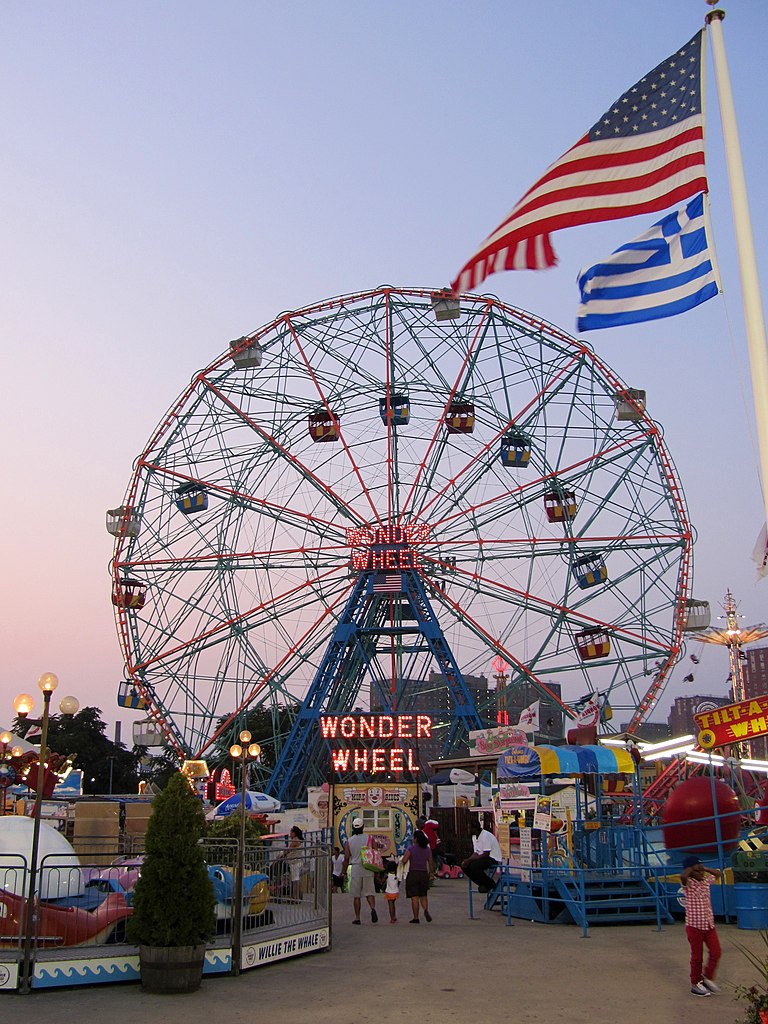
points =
(244, 751)
(23, 705)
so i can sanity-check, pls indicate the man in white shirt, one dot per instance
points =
(487, 854)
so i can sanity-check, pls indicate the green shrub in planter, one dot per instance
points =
(173, 902)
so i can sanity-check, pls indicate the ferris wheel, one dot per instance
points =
(390, 483)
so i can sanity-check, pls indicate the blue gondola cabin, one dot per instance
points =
(397, 412)
(560, 506)
(460, 418)
(129, 594)
(191, 498)
(129, 697)
(593, 643)
(589, 571)
(515, 449)
(323, 426)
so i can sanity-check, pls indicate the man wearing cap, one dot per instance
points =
(700, 924)
(361, 882)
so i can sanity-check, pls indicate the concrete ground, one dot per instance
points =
(452, 971)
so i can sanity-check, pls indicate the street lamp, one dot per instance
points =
(23, 704)
(7, 770)
(243, 752)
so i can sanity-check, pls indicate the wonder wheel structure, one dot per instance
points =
(386, 485)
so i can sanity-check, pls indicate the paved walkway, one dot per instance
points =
(453, 971)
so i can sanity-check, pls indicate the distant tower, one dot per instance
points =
(734, 638)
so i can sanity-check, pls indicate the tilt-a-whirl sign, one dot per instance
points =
(733, 723)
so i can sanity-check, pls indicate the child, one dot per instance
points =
(392, 890)
(700, 924)
(337, 862)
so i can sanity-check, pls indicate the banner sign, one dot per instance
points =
(490, 741)
(518, 761)
(733, 723)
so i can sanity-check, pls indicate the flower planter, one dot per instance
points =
(171, 969)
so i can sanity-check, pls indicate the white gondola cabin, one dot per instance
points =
(593, 643)
(589, 571)
(515, 449)
(245, 353)
(191, 498)
(129, 697)
(323, 425)
(397, 411)
(629, 405)
(123, 520)
(697, 616)
(460, 418)
(560, 506)
(147, 733)
(129, 594)
(445, 304)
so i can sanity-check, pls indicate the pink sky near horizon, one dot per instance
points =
(176, 176)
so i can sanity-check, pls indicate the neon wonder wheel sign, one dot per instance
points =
(375, 744)
(387, 548)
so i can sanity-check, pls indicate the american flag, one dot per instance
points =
(646, 153)
(388, 583)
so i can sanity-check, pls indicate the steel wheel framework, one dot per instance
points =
(243, 597)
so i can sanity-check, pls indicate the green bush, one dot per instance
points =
(173, 902)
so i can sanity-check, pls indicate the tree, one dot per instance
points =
(268, 727)
(174, 902)
(107, 767)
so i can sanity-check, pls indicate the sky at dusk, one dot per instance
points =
(175, 175)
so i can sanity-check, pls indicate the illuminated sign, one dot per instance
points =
(384, 753)
(733, 723)
(389, 547)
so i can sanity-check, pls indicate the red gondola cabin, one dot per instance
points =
(593, 643)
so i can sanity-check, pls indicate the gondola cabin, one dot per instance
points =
(593, 643)
(129, 697)
(460, 418)
(191, 498)
(589, 571)
(697, 616)
(123, 520)
(148, 733)
(244, 353)
(515, 449)
(323, 426)
(129, 594)
(445, 305)
(397, 411)
(629, 405)
(560, 506)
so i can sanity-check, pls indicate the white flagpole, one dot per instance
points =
(754, 320)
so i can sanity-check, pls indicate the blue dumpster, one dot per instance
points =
(751, 905)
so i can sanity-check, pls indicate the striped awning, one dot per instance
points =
(566, 760)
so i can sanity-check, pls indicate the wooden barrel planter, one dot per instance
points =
(171, 969)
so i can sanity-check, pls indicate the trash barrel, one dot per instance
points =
(751, 905)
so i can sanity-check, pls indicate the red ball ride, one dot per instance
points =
(688, 816)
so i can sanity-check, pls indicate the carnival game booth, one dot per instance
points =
(569, 862)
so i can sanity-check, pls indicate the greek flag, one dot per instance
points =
(664, 272)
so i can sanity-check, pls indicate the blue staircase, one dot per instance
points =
(604, 898)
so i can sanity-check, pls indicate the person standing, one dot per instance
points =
(337, 864)
(418, 856)
(392, 890)
(294, 855)
(486, 855)
(361, 882)
(700, 924)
